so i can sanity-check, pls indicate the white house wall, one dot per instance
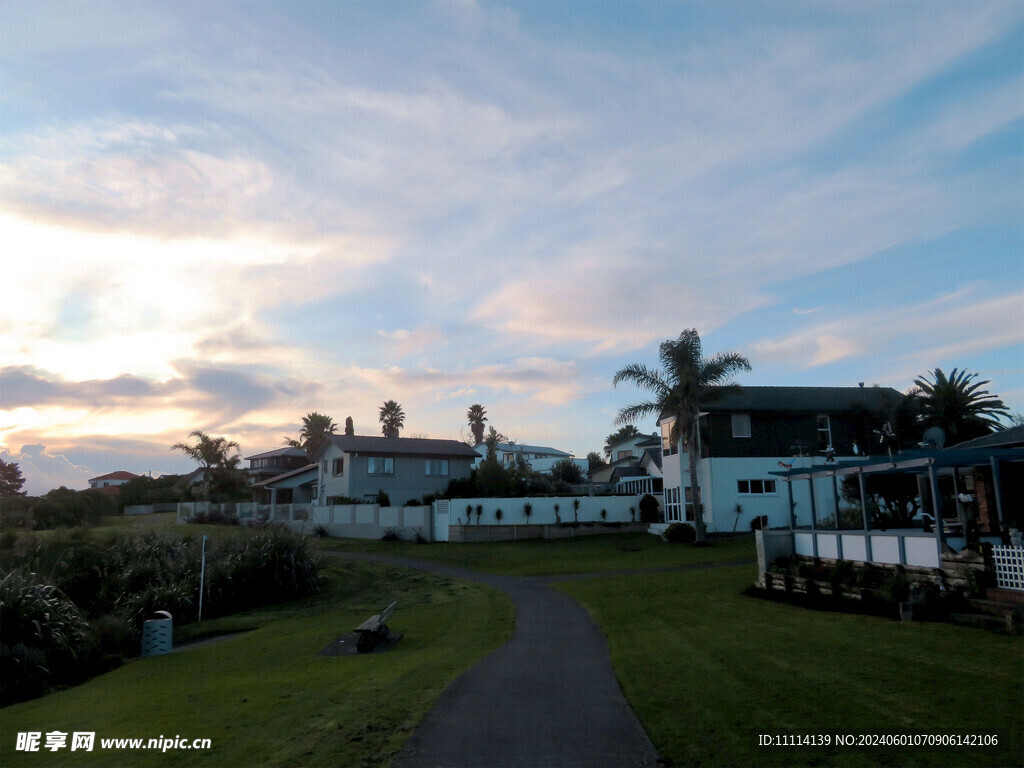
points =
(718, 479)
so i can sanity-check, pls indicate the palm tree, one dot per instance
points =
(210, 453)
(392, 418)
(315, 426)
(962, 408)
(624, 433)
(687, 382)
(477, 416)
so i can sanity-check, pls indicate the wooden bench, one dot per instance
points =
(374, 630)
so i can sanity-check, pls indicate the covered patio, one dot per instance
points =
(978, 505)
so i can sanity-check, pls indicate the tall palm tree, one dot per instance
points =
(210, 453)
(392, 418)
(686, 382)
(961, 407)
(477, 416)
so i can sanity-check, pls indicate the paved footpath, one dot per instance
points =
(548, 697)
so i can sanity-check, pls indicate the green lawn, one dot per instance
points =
(537, 557)
(707, 670)
(266, 698)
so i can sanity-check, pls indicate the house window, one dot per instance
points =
(688, 495)
(824, 433)
(338, 467)
(667, 447)
(741, 425)
(380, 465)
(755, 487)
(623, 455)
(672, 513)
(437, 467)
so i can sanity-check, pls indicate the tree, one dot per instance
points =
(491, 442)
(11, 479)
(392, 418)
(595, 461)
(350, 428)
(959, 405)
(477, 416)
(210, 453)
(315, 426)
(687, 382)
(624, 433)
(567, 470)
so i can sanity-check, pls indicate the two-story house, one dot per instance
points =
(759, 430)
(540, 458)
(111, 483)
(264, 466)
(405, 468)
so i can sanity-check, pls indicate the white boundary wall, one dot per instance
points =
(354, 521)
(617, 509)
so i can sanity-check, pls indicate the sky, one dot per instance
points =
(224, 216)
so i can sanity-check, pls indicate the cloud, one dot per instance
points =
(945, 327)
(24, 386)
(44, 471)
(547, 380)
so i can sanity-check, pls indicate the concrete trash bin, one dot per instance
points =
(157, 634)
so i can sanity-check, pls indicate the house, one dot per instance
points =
(110, 482)
(539, 458)
(405, 468)
(264, 466)
(296, 486)
(746, 436)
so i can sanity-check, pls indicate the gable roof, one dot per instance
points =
(295, 477)
(406, 446)
(290, 451)
(806, 399)
(118, 475)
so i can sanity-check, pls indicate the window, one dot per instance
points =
(338, 468)
(623, 455)
(741, 425)
(380, 465)
(667, 448)
(437, 467)
(672, 505)
(824, 433)
(755, 487)
(688, 493)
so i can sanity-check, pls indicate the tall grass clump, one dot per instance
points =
(42, 633)
(105, 591)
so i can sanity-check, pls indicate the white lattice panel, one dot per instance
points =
(1009, 563)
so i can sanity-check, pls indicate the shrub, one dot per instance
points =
(42, 633)
(413, 503)
(604, 514)
(759, 523)
(681, 533)
(498, 514)
(527, 510)
(214, 517)
(419, 537)
(321, 532)
(382, 498)
(648, 509)
(390, 534)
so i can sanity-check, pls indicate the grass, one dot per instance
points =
(266, 697)
(707, 670)
(537, 557)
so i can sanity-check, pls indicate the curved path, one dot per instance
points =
(548, 697)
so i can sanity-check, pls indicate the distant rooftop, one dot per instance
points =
(118, 475)
(289, 451)
(417, 446)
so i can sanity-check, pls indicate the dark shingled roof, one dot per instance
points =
(820, 399)
(1007, 438)
(415, 446)
(291, 451)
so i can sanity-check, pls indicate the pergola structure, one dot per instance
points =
(927, 466)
